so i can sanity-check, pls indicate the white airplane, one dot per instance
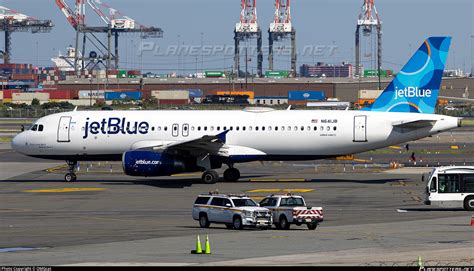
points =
(162, 143)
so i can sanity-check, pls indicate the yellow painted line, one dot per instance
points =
(454, 147)
(53, 169)
(63, 190)
(263, 191)
(296, 190)
(345, 158)
(187, 174)
(395, 147)
(279, 180)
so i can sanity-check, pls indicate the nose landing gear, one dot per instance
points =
(70, 176)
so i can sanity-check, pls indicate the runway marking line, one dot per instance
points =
(53, 169)
(296, 190)
(64, 190)
(279, 180)
(187, 174)
(454, 147)
(395, 147)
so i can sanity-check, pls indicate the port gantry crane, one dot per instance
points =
(13, 21)
(281, 28)
(116, 23)
(247, 28)
(369, 21)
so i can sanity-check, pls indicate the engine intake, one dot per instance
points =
(149, 164)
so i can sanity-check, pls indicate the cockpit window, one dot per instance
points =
(40, 128)
(34, 128)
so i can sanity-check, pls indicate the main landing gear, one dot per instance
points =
(70, 176)
(211, 177)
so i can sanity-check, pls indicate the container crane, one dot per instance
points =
(369, 21)
(116, 24)
(247, 28)
(281, 28)
(13, 21)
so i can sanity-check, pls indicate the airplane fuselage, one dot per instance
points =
(252, 135)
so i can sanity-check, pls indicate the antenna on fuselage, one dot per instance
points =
(289, 108)
(75, 109)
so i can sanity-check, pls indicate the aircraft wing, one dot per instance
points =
(212, 144)
(414, 124)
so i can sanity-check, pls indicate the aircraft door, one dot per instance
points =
(360, 129)
(64, 129)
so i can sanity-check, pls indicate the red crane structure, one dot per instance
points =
(281, 28)
(248, 28)
(13, 21)
(369, 20)
(116, 23)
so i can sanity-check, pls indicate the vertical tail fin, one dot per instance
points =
(416, 86)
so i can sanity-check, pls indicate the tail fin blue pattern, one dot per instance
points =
(416, 86)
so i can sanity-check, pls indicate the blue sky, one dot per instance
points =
(318, 23)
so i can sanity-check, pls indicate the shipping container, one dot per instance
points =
(251, 94)
(170, 94)
(369, 94)
(95, 94)
(214, 74)
(277, 74)
(194, 93)
(27, 97)
(173, 102)
(374, 73)
(61, 94)
(8, 93)
(306, 95)
(270, 100)
(122, 74)
(123, 96)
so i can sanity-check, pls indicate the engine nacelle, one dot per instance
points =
(149, 164)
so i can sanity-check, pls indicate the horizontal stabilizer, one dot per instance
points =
(415, 124)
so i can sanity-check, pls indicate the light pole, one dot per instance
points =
(90, 90)
(202, 56)
(179, 55)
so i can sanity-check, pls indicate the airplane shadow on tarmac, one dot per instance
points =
(376, 181)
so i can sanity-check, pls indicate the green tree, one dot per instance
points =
(35, 102)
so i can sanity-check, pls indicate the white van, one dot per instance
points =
(451, 187)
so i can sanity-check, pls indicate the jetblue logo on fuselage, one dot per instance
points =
(114, 126)
(412, 92)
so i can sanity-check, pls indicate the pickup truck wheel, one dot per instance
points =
(237, 223)
(203, 221)
(469, 203)
(284, 225)
(312, 226)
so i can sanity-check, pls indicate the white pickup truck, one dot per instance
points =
(290, 209)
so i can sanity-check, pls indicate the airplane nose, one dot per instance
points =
(17, 142)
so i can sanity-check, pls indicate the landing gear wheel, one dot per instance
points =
(70, 177)
(312, 226)
(283, 224)
(231, 174)
(210, 177)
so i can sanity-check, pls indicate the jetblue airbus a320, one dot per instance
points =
(162, 143)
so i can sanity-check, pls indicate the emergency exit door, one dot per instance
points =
(63, 129)
(360, 129)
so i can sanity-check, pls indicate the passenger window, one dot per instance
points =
(243, 128)
(166, 128)
(335, 128)
(212, 128)
(284, 202)
(296, 128)
(268, 202)
(217, 201)
(328, 128)
(256, 128)
(199, 128)
(250, 128)
(448, 183)
(433, 185)
(302, 128)
(276, 128)
(315, 128)
(468, 183)
(205, 128)
(237, 128)
(159, 128)
(231, 128)
(201, 200)
(322, 128)
(192, 128)
(225, 128)
(269, 128)
(289, 128)
(309, 128)
(263, 128)
(225, 202)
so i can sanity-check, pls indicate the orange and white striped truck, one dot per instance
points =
(290, 209)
